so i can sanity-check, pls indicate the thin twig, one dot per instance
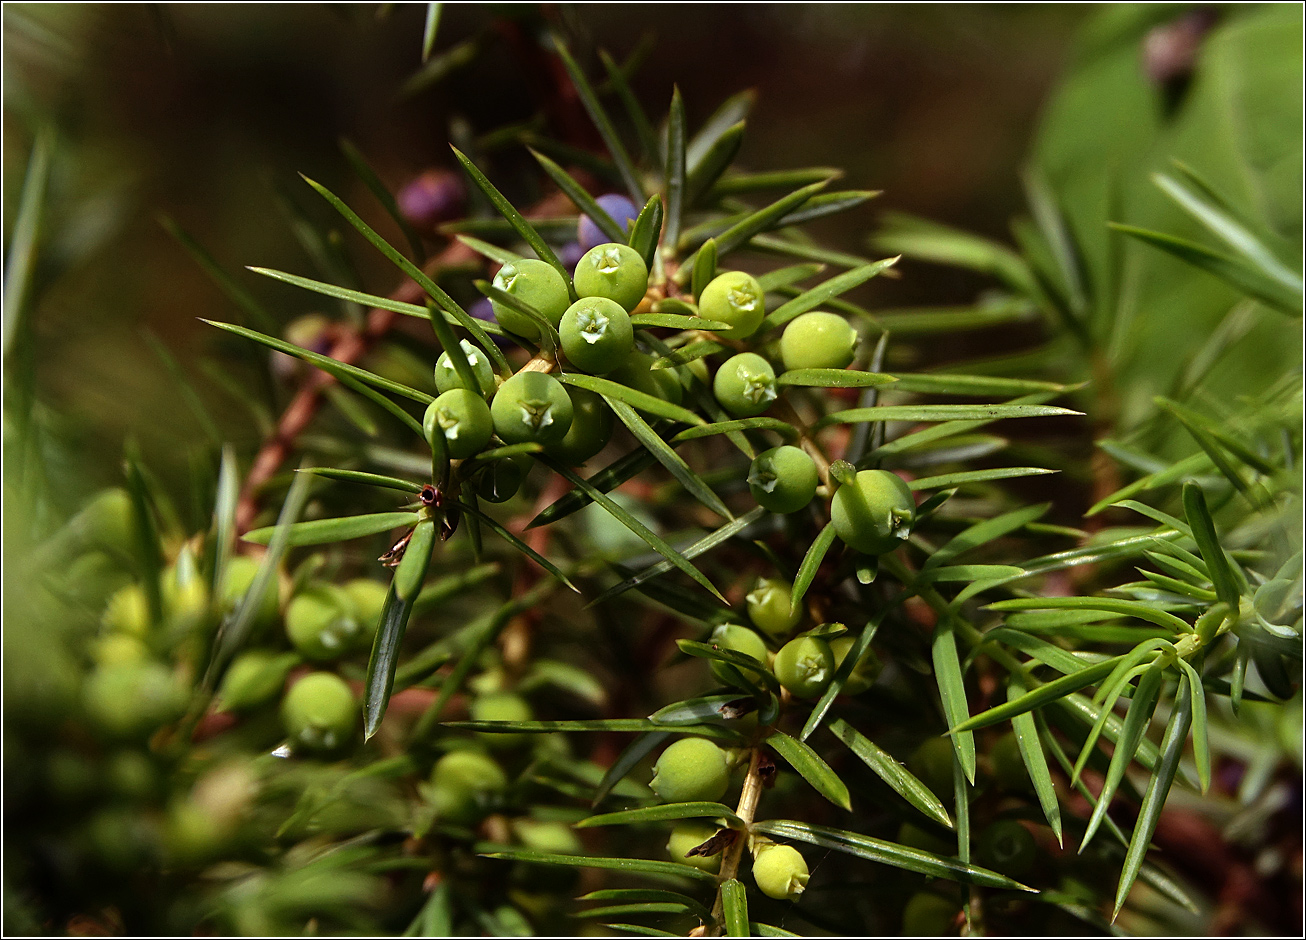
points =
(747, 808)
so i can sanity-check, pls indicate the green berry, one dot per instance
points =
(321, 623)
(614, 271)
(780, 871)
(241, 571)
(783, 479)
(928, 915)
(591, 428)
(864, 673)
(500, 481)
(368, 599)
(319, 712)
(128, 611)
(874, 513)
(596, 335)
(771, 608)
(447, 377)
(536, 283)
(464, 785)
(735, 298)
(107, 521)
(805, 666)
(690, 835)
(501, 706)
(636, 373)
(691, 770)
(1007, 764)
(532, 406)
(745, 385)
(540, 835)
(931, 763)
(818, 341)
(730, 636)
(464, 418)
(132, 699)
(1007, 847)
(254, 679)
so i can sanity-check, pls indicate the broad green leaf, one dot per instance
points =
(617, 78)
(605, 480)
(581, 199)
(891, 772)
(676, 174)
(1031, 752)
(834, 378)
(1208, 543)
(818, 295)
(811, 767)
(940, 383)
(364, 171)
(514, 218)
(660, 449)
(636, 399)
(630, 522)
(1158, 788)
(1137, 718)
(981, 533)
(952, 692)
(664, 812)
(601, 121)
(811, 563)
(1235, 272)
(966, 413)
(1127, 608)
(517, 543)
(636, 865)
(734, 908)
(368, 479)
(322, 531)
(887, 853)
(331, 366)
(1040, 695)
(710, 541)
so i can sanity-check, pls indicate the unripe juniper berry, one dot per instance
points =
(864, 672)
(321, 623)
(447, 377)
(771, 608)
(500, 706)
(780, 871)
(532, 406)
(636, 373)
(591, 428)
(690, 835)
(464, 418)
(730, 636)
(690, 770)
(536, 283)
(783, 479)
(500, 481)
(735, 298)
(805, 666)
(613, 271)
(818, 341)
(319, 712)
(463, 786)
(1007, 847)
(745, 385)
(874, 513)
(596, 335)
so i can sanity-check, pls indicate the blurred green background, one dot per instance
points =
(203, 112)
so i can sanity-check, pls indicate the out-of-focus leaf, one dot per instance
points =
(234, 291)
(517, 543)
(963, 477)
(605, 480)
(639, 865)
(754, 224)
(928, 241)
(1128, 608)
(363, 170)
(618, 81)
